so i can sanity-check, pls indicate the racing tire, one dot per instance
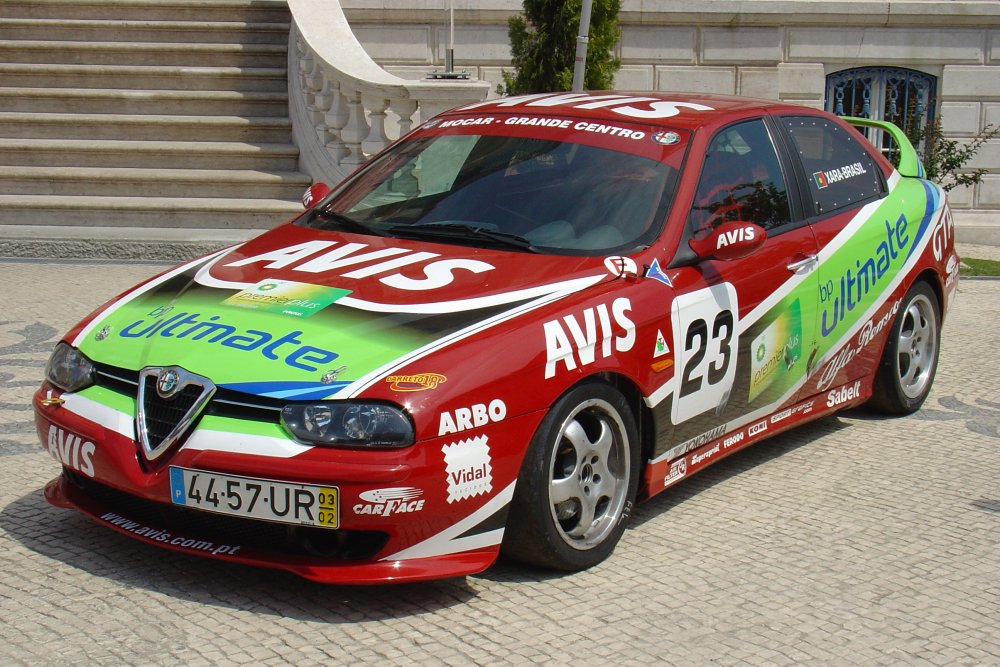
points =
(578, 482)
(909, 361)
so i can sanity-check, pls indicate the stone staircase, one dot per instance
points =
(170, 116)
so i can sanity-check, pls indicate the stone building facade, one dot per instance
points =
(907, 60)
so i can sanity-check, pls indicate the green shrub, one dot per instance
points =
(944, 159)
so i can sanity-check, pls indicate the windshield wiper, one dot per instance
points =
(338, 221)
(462, 231)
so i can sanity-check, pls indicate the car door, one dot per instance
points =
(859, 241)
(740, 331)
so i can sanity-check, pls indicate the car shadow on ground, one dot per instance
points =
(736, 464)
(506, 571)
(75, 541)
(70, 538)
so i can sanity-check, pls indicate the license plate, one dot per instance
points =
(265, 499)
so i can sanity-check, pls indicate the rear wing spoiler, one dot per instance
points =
(909, 163)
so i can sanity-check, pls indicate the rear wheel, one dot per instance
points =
(909, 362)
(577, 483)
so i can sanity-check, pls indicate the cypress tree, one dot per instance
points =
(543, 46)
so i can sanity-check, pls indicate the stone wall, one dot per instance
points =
(774, 49)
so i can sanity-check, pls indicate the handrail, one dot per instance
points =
(344, 107)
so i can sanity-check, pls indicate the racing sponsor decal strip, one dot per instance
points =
(594, 326)
(918, 240)
(566, 288)
(284, 257)
(156, 535)
(656, 108)
(142, 290)
(390, 501)
(667, 470)
(464, 419)
(468, 467)
(100, 414)
(442, 307)
(451, 540)
(290, 389)
(244, 443)
(869, 331)
(71, 450)
(201, 439)
(921, 240)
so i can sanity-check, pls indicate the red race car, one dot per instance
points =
(504, 330)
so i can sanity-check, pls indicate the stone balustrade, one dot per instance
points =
(344, 107)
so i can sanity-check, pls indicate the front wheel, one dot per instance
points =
(577, 483)
(908, 365)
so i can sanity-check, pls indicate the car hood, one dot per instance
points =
(301, 314)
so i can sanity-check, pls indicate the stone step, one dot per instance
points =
(144, 77)
(123, 182)
(83, 30)
(103, 100)
(99, 242)
(166, 10)
(144, 154)
(143, 53)
(149, 212)
(23, 125)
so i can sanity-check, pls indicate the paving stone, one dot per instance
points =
(855, 540)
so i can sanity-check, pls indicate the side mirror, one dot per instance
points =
(730, 240)
(315, 193)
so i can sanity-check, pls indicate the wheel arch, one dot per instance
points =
(640, 411)
(933, 280)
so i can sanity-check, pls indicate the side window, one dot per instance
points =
(840, 171)
(740, 180)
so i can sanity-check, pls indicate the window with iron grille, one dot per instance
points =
(902, 96)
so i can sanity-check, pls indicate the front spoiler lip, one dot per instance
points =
(61, 493)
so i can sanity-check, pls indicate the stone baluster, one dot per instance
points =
(356, 129)
(376, 139)
(336, 119)
(333, 127)
(314, 85)
(404, 109)
(324, 99)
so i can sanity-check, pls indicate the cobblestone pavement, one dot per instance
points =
(855, 540)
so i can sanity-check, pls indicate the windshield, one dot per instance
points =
(521, 189)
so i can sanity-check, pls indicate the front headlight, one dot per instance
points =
(68, 369)
(348, 424)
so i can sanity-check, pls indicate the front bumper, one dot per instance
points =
(65, 492)
(456, 531)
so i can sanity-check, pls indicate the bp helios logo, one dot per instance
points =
(286, 297)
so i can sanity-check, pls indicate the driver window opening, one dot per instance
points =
(741, 181)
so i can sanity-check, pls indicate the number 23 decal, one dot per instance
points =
(705, 344)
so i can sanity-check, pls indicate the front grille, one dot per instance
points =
(224, 403)
(275, 538)
(170, 400)
(163, 415)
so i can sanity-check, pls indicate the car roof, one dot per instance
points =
(683, 110)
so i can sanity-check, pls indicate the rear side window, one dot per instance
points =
(839, 170)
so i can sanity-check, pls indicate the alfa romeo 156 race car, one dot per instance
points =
(501, 332)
